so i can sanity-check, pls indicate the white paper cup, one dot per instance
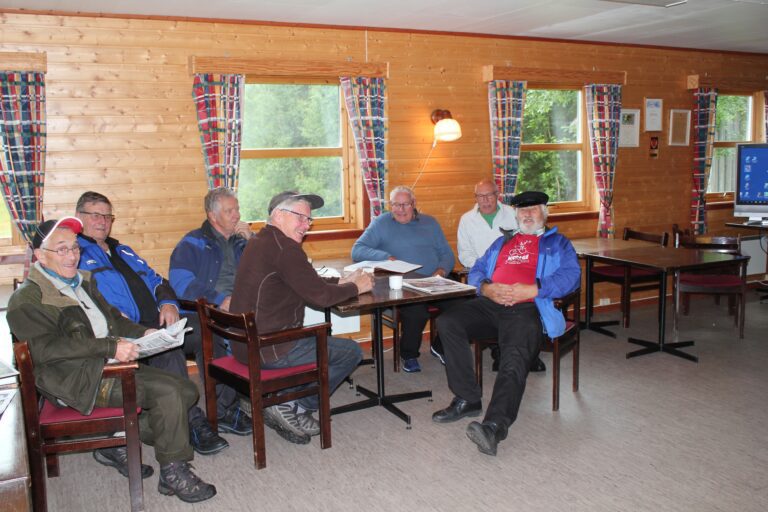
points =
(395, 282)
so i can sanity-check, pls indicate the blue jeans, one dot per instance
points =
(343, 357)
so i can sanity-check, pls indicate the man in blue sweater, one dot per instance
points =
(405, 234)
(517, 280)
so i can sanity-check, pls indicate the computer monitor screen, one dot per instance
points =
(752, 182)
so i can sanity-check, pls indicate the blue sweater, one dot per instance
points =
(421, 241)
(557, 274)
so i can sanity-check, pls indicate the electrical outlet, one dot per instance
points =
(604, 302)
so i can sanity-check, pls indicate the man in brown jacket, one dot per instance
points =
(276, 281)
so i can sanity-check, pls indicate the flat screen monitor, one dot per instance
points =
(752, 182)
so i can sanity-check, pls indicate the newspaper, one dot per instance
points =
(436, 284)
(398, 266)
(161, 340)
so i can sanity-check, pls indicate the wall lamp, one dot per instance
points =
(447, 129)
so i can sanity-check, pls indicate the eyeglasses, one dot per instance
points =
(401, 205)
(63, 251)
(105, 218)
(301, 216)
(492, 195)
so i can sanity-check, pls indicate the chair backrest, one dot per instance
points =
(28, 390)
(722, 244)
(661, 239)
(238, 328)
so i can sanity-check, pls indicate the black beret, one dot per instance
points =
(530, 198)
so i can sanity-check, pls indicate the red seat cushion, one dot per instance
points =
(232, 365)
(52, 414)
(618, 271)
(724, 280)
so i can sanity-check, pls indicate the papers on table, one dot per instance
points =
(398, 266)
(6, 395)
(436, 284)
(328, 272)
(6, 371)
(161, 340)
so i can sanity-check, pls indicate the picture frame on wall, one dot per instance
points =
(653, 113)
(629, 128)
(679, 127)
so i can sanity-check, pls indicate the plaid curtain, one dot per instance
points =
(704, 108)
(219, 105)
(506, 101)
(365, 100)
(765, 118)
(22, 163)
(603, 118)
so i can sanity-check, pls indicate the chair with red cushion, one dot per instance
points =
(262, 385)
(52, 430)
(570, 305)
(734, 285)
(639, 279)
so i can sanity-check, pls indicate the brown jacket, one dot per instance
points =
(275, 280)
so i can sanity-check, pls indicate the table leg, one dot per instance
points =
(669, 348)
(379, 397)
(588, 323)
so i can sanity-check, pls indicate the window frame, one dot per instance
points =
(755, 132)
(588, 201)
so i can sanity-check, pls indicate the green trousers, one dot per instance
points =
(164, 399)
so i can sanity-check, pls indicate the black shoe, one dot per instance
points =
(486, 436)
(118, 458)
(437, 353)
(538, 365)
(236, 421)
(203, 439)
(178, 479)
(458, 409)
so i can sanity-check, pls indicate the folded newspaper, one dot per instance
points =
(436, 284)
(398, 266)
(161, 340)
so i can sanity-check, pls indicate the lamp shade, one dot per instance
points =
(447, 130)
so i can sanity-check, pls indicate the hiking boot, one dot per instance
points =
(283, 419)
(203, 439)
(236, 421)
(308, 423)
(178, 479)
(118, 458)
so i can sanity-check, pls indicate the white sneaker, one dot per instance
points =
(308, 423)
(282, 418)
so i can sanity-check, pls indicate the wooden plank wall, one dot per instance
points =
(121, 119)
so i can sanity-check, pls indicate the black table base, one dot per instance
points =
(669, 348)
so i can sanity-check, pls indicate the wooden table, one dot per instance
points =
(14, 472)
(664, 260)
(375, 302)
(587, 246)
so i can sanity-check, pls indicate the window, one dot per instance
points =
(733, 123)
(295, 137)
(553, 148)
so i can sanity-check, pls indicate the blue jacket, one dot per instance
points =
(557, 274)
(196, 263)
(111, 283)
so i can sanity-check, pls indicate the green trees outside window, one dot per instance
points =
(733, 122)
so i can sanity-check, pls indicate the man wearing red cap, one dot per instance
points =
(72, 331)
(517, 280)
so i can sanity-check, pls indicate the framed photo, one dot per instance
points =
(679, 127)
(629, 128)
(653, 112)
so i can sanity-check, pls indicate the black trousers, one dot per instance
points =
(519, 333)
(413, 319)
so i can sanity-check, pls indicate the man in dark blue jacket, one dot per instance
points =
(143, 296)
(517, 280)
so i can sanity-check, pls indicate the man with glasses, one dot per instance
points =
(276, 281)
(72, 330)
(405, 234)
(478, 229)
(143, 296)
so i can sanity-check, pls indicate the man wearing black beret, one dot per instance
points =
(517, 280)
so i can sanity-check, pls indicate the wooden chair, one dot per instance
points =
(734, 285)
(570, 305)
(391, 319)
(639, 279)
(53, 430)
(262, 385)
